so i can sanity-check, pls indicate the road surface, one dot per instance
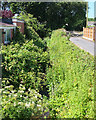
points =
(88, 46)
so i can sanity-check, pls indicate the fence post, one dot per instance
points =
(83, 31)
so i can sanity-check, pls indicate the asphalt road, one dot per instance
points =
(88, 46)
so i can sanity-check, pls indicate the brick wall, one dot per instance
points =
(11, 34)
(21, 25)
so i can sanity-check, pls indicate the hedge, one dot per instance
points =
(70, 79)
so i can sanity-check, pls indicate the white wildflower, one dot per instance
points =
(32, 102)
(27, 104)
(39, 108)
(20, 95)
(38, 105)
(29, 89)
(21, 91)
(4, 91)
(14, 103)
(66, 24)
(19, 103)
(7, 86)
(12, 91)
(15, 95)
(39, 101)
(35, 96)
(9, 95)
(20, 85)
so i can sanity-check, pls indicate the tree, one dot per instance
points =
(6, 14)
(55, 14)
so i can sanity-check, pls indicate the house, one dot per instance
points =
(8, 29)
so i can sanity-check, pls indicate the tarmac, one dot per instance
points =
(88, 46)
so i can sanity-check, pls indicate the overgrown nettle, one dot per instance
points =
(6, 14)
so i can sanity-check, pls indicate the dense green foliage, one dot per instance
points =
(91, 19)
(23, 64)
(32, 65)
(25, 60)
(55, 14)
(21, 104)
(33, 29)
(95, 19)
(70, 79)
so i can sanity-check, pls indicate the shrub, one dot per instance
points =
(26, 63)
(21, 104)
(70, 79)
(35, 26)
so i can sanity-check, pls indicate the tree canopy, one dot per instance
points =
(69, 15)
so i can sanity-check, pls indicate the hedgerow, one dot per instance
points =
(24, 64)
(70, 79)
(28, 73)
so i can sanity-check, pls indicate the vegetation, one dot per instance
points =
(69, 15)
(90, 26)
(70, 79)
(91, 19)
(21, 104)
(47, 74)
(23, 63)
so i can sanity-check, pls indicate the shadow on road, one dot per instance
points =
(74, 33)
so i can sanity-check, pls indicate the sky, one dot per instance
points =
(91, 9)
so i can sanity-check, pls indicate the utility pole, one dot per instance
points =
(86, 14)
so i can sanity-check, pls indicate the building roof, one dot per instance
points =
(7, 26)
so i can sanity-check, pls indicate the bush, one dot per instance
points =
(26, 63)
(18, 37)
(35, 26)
(26, 58)
(70, 79)
(21, 104)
